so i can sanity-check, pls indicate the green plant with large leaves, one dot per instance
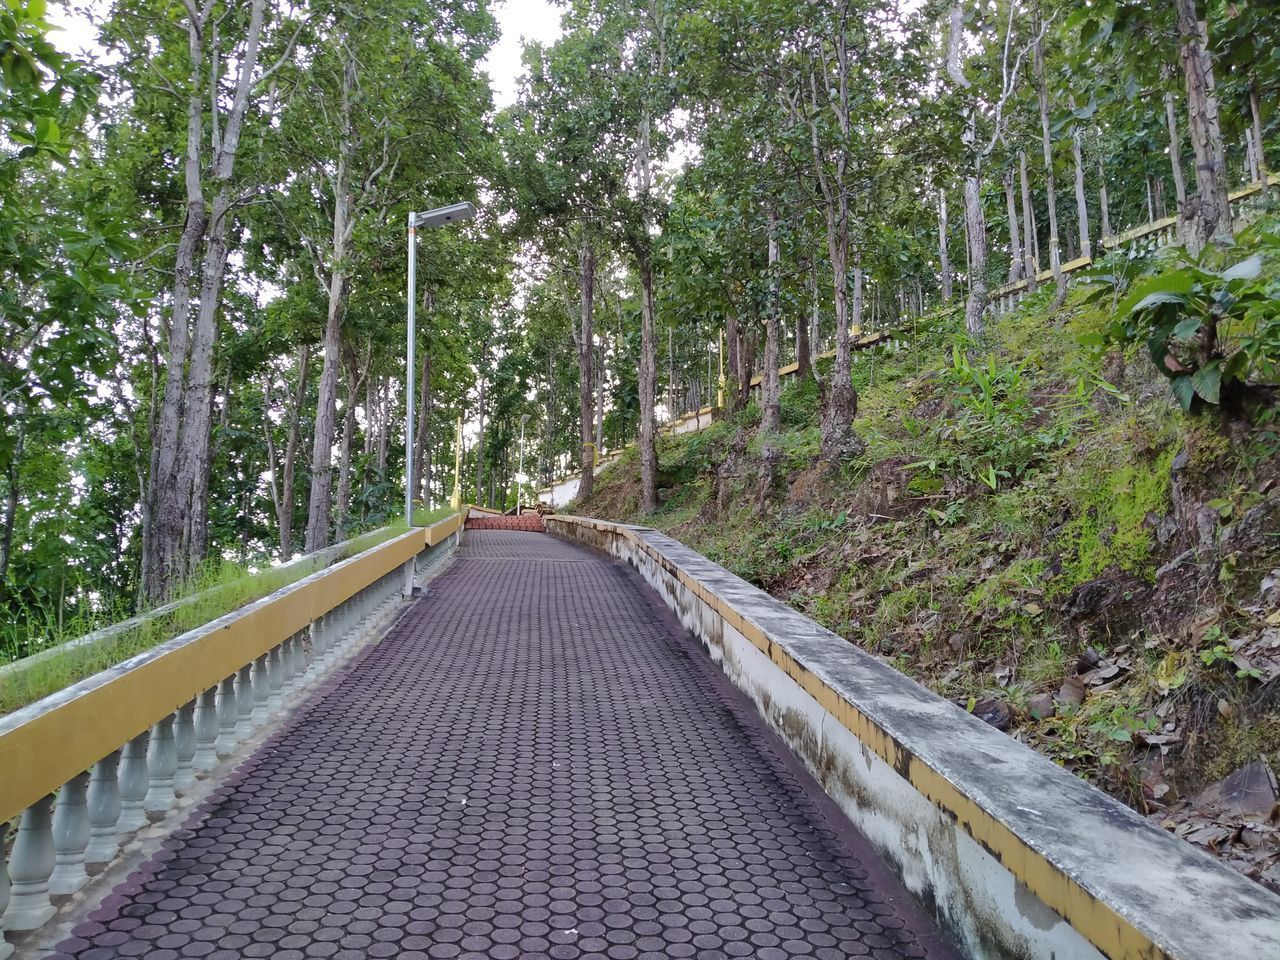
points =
(1212, 330)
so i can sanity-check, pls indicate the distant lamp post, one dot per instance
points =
(455, 500)
(520, 477)
(439, 217)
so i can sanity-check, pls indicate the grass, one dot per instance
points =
(216, 590)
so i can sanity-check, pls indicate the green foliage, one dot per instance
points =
(1112, 501)
(1210, 330)
(996, 434)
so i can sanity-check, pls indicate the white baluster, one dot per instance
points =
(162, 766)
(133, 785)
(302, 666)
(244, 702)
(206, 755)
(30, 864)
(289, 657)
(6, 949)
(184, 737)
(275, 676)
(70, 836)
(261, 683)
(104, 812)
(228, 713)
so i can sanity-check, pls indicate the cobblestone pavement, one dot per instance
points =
(535, 762)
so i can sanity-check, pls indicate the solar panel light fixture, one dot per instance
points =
(442, 216)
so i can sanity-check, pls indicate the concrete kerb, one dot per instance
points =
(1018, 857)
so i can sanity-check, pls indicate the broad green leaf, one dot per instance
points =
(1155, 299)
(1171, 282)
(1186, 328)
(1184, 390)
(1207, 382)
(1245, 270)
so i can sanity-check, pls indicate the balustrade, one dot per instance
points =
(80, 826)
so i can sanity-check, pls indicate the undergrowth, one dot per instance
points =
(1005, 486)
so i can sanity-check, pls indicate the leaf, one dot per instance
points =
(36, 9)
(1172, 282)
(1186, 328)
(1184, 390)
(1155, 299)
(1245, 270)
(1207, 381)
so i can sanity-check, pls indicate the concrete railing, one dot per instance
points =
(296, 568)
(1148, 237)
(1018, 857)
(90, 766)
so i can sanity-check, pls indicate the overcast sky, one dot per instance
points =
(519, 20)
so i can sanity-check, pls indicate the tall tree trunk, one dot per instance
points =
(648, 384)
(1031, 242)
(1209, 214)
(384, 417)
(1255, 113)
(282, 492)
(732, 364)
(1104, 206)
(586, 350)
(1175, 152)
(977, 231)
(181, 446)
(944, 258)
(321, 502)
(1015, 240)
(1082, 206)
(840, 403)
(12, 495)
(770, 404)
(804, 348)
(422, 445)
(344, 465)
(600, 379)
(1050, 187)
(357, 375)
(648, 347)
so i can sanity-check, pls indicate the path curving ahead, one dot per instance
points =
(535, 762)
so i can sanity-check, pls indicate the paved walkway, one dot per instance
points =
(535, 762)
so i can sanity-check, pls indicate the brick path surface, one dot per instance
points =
(535, 762)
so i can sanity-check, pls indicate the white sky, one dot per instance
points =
(519, 20)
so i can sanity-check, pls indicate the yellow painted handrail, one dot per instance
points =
(44, 745)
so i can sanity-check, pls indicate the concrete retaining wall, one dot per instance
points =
(1018, 858)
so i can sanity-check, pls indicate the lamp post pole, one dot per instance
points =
(520, 480)
(410, 345)
(438, 217)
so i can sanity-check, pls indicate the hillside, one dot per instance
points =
(1037, 531)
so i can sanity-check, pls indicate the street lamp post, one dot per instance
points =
(439, 217)
(520, 478)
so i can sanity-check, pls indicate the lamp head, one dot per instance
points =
(442, 216)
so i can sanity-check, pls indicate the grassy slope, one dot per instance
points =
(1001, 502)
